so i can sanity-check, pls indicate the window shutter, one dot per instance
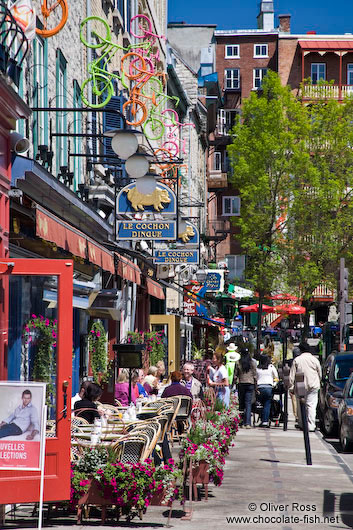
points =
(112, 120)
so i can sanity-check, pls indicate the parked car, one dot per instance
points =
(336, 370)
(345, 415)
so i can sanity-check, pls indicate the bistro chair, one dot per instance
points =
(130, 450)
(182, 418)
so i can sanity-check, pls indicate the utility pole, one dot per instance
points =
(345, 317)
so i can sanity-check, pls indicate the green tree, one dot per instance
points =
(320, 211)
(268, 146)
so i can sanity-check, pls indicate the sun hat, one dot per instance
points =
(232, 352)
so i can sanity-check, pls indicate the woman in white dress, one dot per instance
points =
(218, 378)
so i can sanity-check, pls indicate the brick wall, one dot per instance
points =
(246, 62)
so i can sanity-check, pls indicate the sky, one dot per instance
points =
(322, 16)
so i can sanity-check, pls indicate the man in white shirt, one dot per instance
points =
(24, 418)
(311, 368)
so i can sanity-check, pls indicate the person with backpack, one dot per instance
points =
(267, 376)
(245, 372)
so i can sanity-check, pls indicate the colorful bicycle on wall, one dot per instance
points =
(53, 16)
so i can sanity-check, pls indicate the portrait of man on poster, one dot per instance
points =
(24, 419)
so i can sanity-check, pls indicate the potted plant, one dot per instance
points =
(98, 351)
(169, 484)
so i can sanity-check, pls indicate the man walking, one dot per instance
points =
(311, 368)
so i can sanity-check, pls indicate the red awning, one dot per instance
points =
(154, 289)
(128, 270)
(51, 228)
(326, 45)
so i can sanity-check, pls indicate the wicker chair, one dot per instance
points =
(151, 430)
(209, 397)
(113, 408)
(131, 449)
(78, 421)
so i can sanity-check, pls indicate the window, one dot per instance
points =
(217, 161)
(232, 78)
(318, 71)
(40, 93)
(236, 267)
(259, 74)
(232, 51)
(221, 121)
(76, 140)
(231, 206)
(260, 50)
(350, 74)
(61, 117)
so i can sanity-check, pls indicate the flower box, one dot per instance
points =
(200, 475)
(158, 499)
(94, 495)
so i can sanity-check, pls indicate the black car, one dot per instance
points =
(345, 415)
(336, 370)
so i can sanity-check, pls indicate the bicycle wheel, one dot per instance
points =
(52, 27)
(99, 28)
(136, 66)
(172, 147)
(171, 117)
(143, 26)
(138, 70)
(153, 128)
(135, 112)
(102, 91)
(152, 87)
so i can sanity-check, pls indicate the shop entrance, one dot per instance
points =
(36, 345)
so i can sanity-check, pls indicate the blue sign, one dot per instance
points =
(148, 230)
(190, 237)
(161, 200)
(173, 257)
(214, 281)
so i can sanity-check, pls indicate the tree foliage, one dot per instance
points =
(293, 167)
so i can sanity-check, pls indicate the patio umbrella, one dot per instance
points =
(290, 309)
(255, 307)
(282, 296)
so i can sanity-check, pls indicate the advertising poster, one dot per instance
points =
(21, 424)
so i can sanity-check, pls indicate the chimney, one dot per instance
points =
(284, 23)
(266, 17)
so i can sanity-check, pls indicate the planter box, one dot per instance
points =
(200, 475)
(94, 495)
(158, 499)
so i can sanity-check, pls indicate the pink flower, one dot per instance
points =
(53, 334)
(34, 316)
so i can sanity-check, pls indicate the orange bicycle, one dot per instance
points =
(53, 16)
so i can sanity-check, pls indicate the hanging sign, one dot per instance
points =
(22, 425)
(147, 230)
(161, 200)
(190, 237)
(175, 256)
(215, 280)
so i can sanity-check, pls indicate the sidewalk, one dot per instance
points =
(267, 484)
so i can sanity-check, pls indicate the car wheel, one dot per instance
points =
(328, 427)
(346, 444)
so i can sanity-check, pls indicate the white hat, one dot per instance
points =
(232, 354)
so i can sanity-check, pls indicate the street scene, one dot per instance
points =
(176, 264)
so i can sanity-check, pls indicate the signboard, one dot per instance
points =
(161, 200)
(214, 280)
(175, 256)
(190, 237)
(22, 425)
(147, 230)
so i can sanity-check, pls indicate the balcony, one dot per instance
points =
(339, 92)
(217, 180)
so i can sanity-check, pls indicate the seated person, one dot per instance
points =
(122, 390)
(142, 391)
(92, 394)
(176, 388)
(190, 382)
(150, 383)
(80, 394)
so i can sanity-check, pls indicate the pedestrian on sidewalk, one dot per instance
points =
(246, 375)
(311, 368)
(218, 378)
(267, 376)
(296, 352)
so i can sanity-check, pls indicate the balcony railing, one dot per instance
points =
(327, 91)
(217, 179)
